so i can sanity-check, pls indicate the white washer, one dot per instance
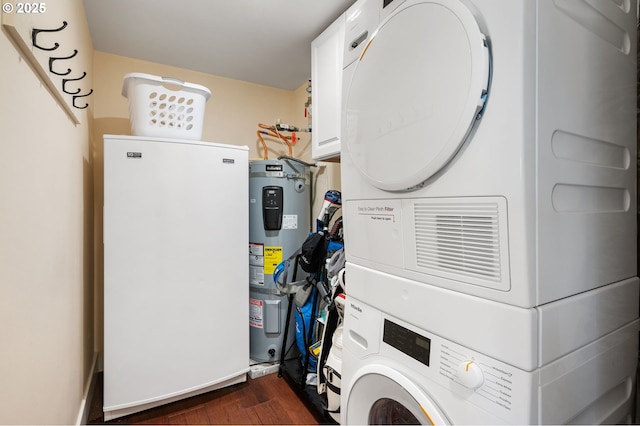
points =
(396, 373)
(489, 145)
(490, 206)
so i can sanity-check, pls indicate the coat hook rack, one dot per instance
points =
(52, 59)
(81, 96)
(36, 31)
(66, 80)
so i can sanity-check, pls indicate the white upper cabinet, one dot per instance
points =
(326, 91)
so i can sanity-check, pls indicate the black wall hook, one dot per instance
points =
(66, 80)
(81, 96)
(52, 59)
(36, 31)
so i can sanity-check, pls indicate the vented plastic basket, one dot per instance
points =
(165, 107)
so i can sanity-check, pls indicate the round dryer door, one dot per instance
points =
(418, 89)
(383, 396)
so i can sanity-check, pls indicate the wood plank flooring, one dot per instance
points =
(266, 400)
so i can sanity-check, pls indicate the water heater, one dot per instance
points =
(279, 222)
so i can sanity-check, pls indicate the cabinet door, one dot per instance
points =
(326, 90)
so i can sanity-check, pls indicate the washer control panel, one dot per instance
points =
(490, 379)
(470, 374)
(411, 343)
(486, 382)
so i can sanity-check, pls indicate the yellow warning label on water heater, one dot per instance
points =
(272, 258)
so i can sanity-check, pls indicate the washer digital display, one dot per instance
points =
(409, 342)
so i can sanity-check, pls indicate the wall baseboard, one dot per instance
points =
(89, 388)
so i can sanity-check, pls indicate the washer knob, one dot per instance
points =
(470, 374)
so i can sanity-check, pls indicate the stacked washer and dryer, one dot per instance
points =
(489, 201)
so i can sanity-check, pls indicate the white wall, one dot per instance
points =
(46, 241)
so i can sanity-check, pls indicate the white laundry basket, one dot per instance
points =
(165, 107)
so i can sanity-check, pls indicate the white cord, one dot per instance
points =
(341, 280)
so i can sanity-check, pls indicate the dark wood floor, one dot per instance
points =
(262, 401)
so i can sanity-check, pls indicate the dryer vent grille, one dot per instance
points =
(459, 239)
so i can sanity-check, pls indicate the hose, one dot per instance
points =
(264, 145)
(273, 132)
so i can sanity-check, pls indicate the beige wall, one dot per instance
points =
(46, 238)
(232, 113)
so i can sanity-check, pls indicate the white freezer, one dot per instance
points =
(175, 270)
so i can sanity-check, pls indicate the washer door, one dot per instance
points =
(383, 396)
(418, 89)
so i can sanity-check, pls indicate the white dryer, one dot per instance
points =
(489, 146)
(397, 373)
